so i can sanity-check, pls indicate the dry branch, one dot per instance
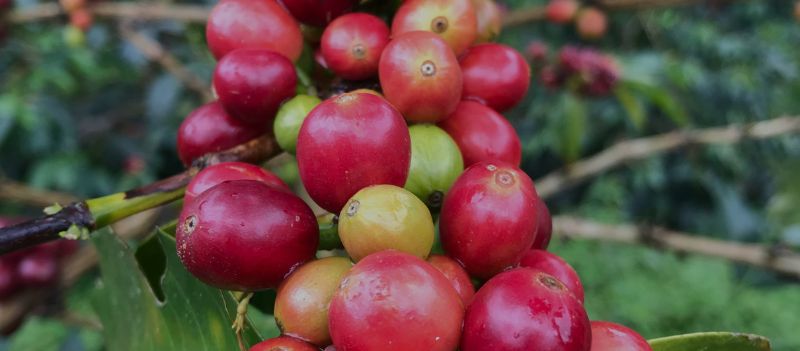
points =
(637, 149)
(130, 10)
(20, 192)
(783, 261)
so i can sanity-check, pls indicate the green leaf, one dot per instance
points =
(714, 341)
(193, 316)
(572, 128)
(632, 105)
(662, 99)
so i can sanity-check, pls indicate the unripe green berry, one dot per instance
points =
(290, 118)
(436, 162)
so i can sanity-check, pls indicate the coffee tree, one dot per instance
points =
(415, 226)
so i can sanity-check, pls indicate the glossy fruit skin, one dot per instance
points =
(556, 266)
(523, 310)
(352, 45)
(453, 20)
(490, 20)
(436, 162)
(252, 84)
(349, 142)
(488, 220)
(393, 301)
(561, 11)
(608, 336)
(496, 75)
(482, 134)
(37, 270)
(591, 23)
(301, 307)
(289, 119)
(383, 217)
(245, 235)
(456, 274)
(210, 129)
(225, 171)
(283, 343)
(544, 231)
(318, 12)
(420, 76)
(264, 24)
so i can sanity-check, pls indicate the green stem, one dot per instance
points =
(111, 208)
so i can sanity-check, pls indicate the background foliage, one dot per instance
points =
(98, 117)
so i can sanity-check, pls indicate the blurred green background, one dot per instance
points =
(98, 117)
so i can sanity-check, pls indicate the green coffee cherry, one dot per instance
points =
(435, 163)
(289, 119)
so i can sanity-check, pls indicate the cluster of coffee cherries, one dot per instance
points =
(590, 22)
(428, 145)
(32, 268)
(583, 70)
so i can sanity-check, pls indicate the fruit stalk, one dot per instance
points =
(79, 218)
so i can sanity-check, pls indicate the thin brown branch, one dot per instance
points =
(132, 10)
(783, 261)
(153, 50)
(638, 149)
(19, 192)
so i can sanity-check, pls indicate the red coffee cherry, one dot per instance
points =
(349, 142)
(264, 24)
(591, 23)
(488, 219)
(210, 129)
(420, 76)
(556, 266)
(523, 310)
(245, 235)
(9, 282)
(252, 84)
(352, 45)
(318, 13)
(561, 11)
(301, 307)
(607, 336)
(453, 20)
(544, 231)
(221, 172)
(393, 301)
(37, 270)
(81, 18)
(496, 75)
(456, 274)
(283, 343)
(482, 134)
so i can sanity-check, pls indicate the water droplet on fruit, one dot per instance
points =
(352, 209)
(359, 52)
(189, 224)
(439, 24)
(428, 68)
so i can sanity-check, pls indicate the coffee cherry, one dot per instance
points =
(496, 75)
(252, 84)
(210, 129)
(523, 310)
(453, 20)
(490, 20)
(37, 270)
(283, 343)
(561, 11)
(352, 45)
(456, 274)
(262, 24)
(393, 301)
(591, 23)
(607, 336)
(81, 19)
(420, 76)
(221, 172)
(553, 265)
(245, 235)
(482, 134)
(318, 13)
(301, 307)
(488, 219)
(349, 142)
(545, 228)
(9, 282)
(382, 217)
(436, 162)
(290, 118)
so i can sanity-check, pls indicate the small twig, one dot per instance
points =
(19, 192)
(153, 50)
(132, 10)
(637, 149)
(762, 256)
